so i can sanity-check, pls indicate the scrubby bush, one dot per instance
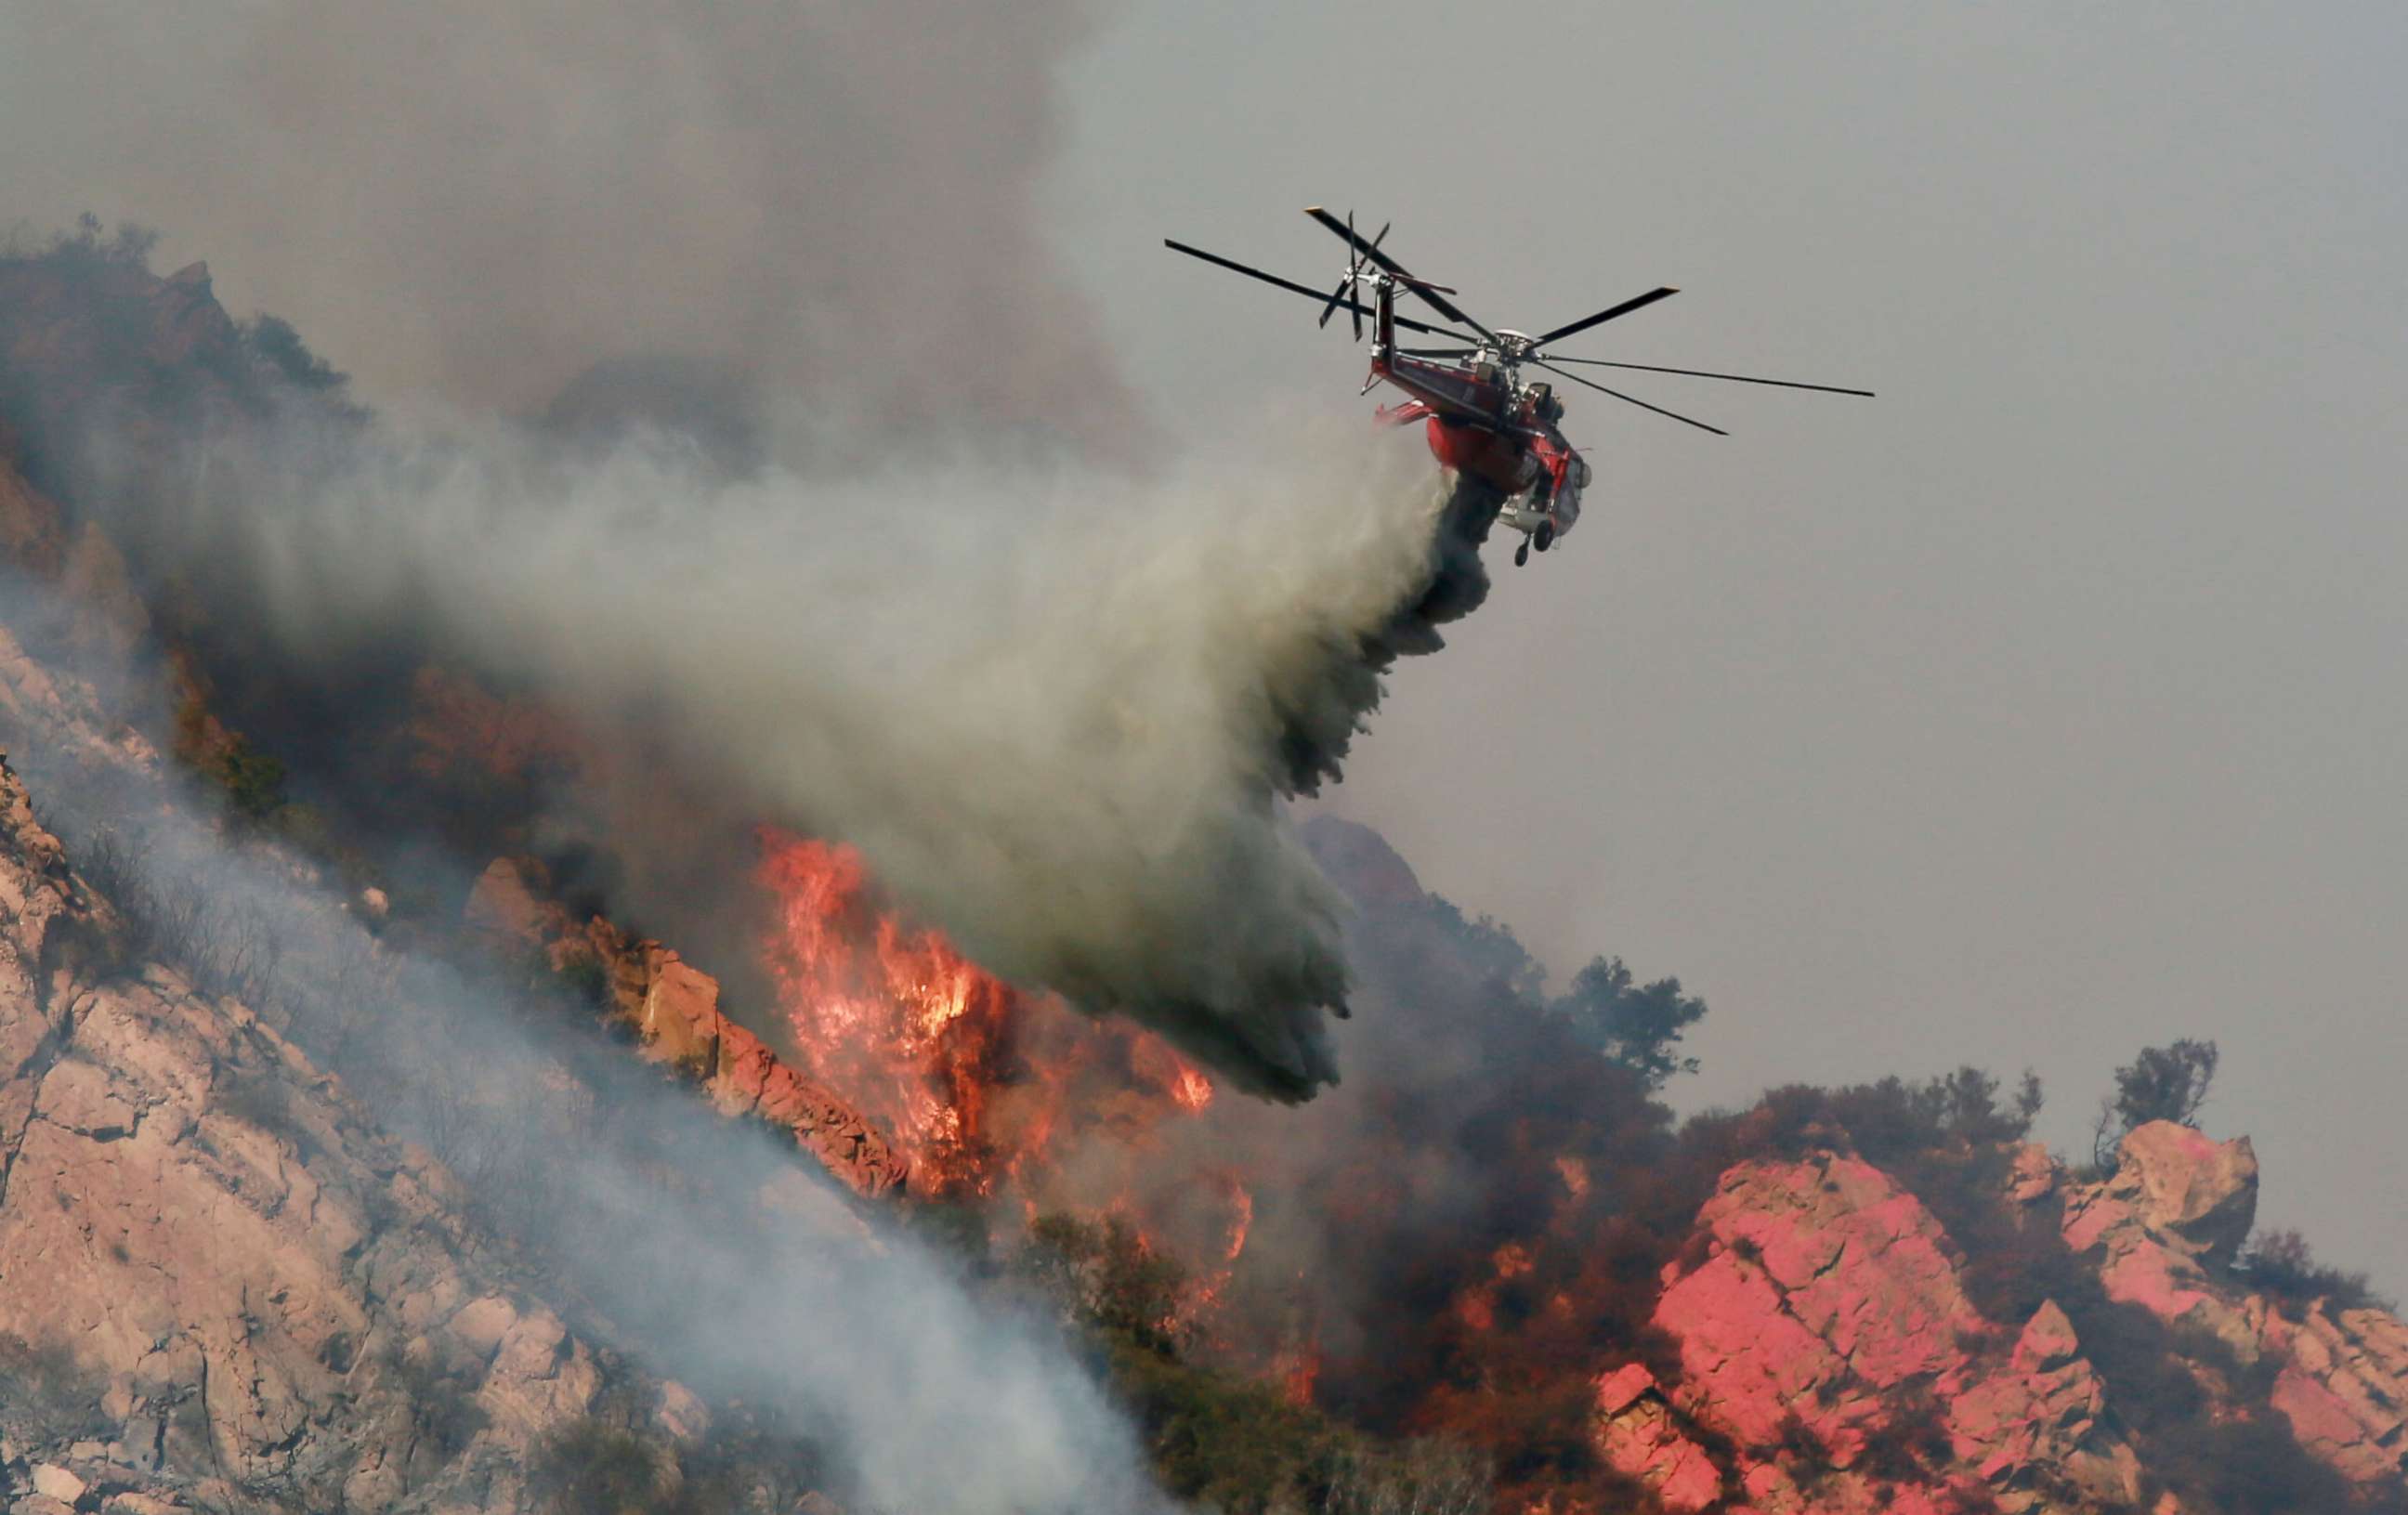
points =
(1108, 1276)
(592, 1467)
(1425, 1476)
(253, 780)
(278, 346)
(2281, 1262)
(2162, 1083)
(442, 1404)
(1227, 1442)
(1634, 1026)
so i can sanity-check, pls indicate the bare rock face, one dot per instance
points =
(1640, 1434)
(2167, 1221)
(2344, 1387)
(216, 1287)
(673, 1007)
(1831, 1362)
(1826, 1338)
(2195, 1195)
(2036, 1423)
(1826, 1286)
(2163, 1231)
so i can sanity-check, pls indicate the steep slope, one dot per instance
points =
(216, 1282)
(221, 1286)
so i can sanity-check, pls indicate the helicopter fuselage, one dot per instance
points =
(1495, 433)
(1482, 422)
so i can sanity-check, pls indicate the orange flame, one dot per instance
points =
(1192, 1090)
(972, 1081)
(893, 1016)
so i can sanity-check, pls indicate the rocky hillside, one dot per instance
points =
(225, 1283)
(217, 1284)
(1829, 1350)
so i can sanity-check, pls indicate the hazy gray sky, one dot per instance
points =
(2047, 705)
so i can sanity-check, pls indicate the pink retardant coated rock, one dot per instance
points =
(1830, 1314)
(1637, 1434)
(2034, 1175)
(1617, 1389)
(1748, 1367)
(2319, 1416)
(2047, 1340)
(679, 1016)
(2195, 1195)
(2344, 1387)
(2161, 1229)
(1825, 1289)
(2091, 1216)
(2161, 1232)
(2037, 1419)
(2148, 1277)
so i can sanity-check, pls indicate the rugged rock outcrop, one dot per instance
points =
(2344, 1385)
(671, 1009)
(2163, 1231)
(1830, 1359)
(220, 1288)
(216, 1283)
(1826, 1338)
(2170, 1218)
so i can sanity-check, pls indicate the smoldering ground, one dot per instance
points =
(1054, 706)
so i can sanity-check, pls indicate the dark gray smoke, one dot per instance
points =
(1052, 707)
(779, 275)
(481, 202)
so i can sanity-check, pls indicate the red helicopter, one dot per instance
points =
(1496, 433)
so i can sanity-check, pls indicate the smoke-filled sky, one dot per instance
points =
(2050, 704)
(2043, 708)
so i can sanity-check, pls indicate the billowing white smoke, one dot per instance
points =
(1052, 707)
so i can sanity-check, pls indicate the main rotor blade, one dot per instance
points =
(1344, 285)
(1619, 396)
(1354, 264)
(1435, 301)
(1438, 351)
(1293, 286)
(1608, 314)
(1700, 373)
(1331, 308)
